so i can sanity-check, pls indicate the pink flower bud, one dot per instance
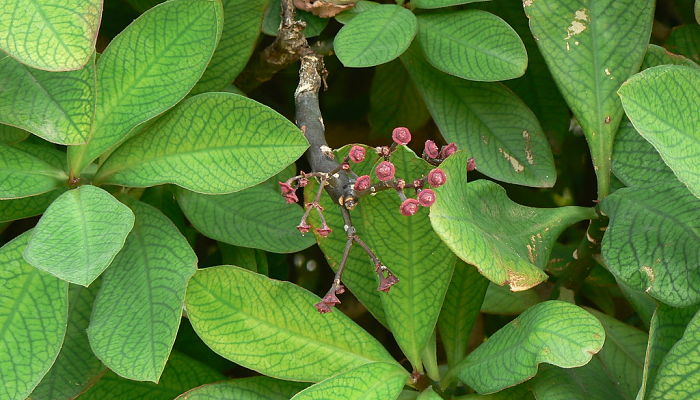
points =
(340, 289)
(385, 171)
(331, 299)
(431, 149)
(386, 283)
(436, 177)
(409, 207)
(448, 150)
(417, 183)
(345, 166)
(324, 231)
(383, 151)
(303, 181)
(401, 135)
(303, 227)
(357, 154)
(471, 164)
(400, 184)
(363, 183)
(322, 307)
(426, 197)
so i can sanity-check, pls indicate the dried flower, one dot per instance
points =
(409, 207)
(426, 197)
(386, 283)
(431, 149)
(471, 164)
(357, 154)
(436, 177)
(286, 188)
(448, 150)
(303, 227)
(385, 171)
(331, 299)
(363, 183)
(324, 230)
(322, 307)
(401, 135)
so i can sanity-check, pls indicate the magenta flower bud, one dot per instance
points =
(471, 164)
(324, 231)
(322, 307)
(426, 197)
(401, 135)
(431, 149)
(385, 171)
(357, 154)
(448, 150)
(286, 188)
(436, 177)
(386, 283)
(345, 166)
(363, 183)
(409, 207)
(303, 228)
(417, 183)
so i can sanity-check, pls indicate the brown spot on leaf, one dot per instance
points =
(517, 167)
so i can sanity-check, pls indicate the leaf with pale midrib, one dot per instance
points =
(553, 332)
(26, 170)
(137, 312)
(651, 241)
(56, 106)
(33, 316)
(488, 121)
(591, 47)
(508, 243)
(239, 143)
(53, 35)
(76, 368)
(79, 235)
(376, 36)
(175, 41)
(255, 388)
(472, 44)
(374, 381)
(663, 104)
(272, 327)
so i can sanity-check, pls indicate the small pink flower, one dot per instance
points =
(324, 231)
(357, 154)
(417, 183)
(322, 307)
(401, 135)
(431, 149)
(448, 150)
(436, 177)
(471, 164)
(383, 151)
(331, 299)
(291, 198)
(400, 184)
(303, 227)
(340, 289)
(303, 181)
(426, 197)
(286, 188)
(363, 183)
(385, 171)
(345, 166)
(409, 207)
(386, 283)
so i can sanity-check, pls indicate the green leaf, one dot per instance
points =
(660, 102)
(635, 161)
(667, 327)
(488, 121)
(11, 135)
(219, 159)
(175, 41)
(651, 241)
(25, 171)
(591, 47)
(255, 388)
(271, 23)
(429, 394)
(360, 7)
(460, 310)
(76, 368)
(375, 36)
(500, 300)
(685, 40)
(697, 11)
(394, 100)
(485, 228)
(11, 210)
(659, 56)
(678, 376)
(622, 355)
(181, 373)
(151, 271)
(250, 259)
(472, 44)
(79, 235)
(57, 106)
(256, 217)
(590, 382)
(272, 327)
(553, 332)
(441, 3)
(33, 315)
(51, 35)
(242, 21)
(374, 381)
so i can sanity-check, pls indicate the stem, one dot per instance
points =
(584, 256)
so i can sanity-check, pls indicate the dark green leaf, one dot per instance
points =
(659, 56)
(271, 23)
(79, 235)
(11, 135)
(360, 7)
(500, 300)
(590, 382)
(685, 40)
(441, 3)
